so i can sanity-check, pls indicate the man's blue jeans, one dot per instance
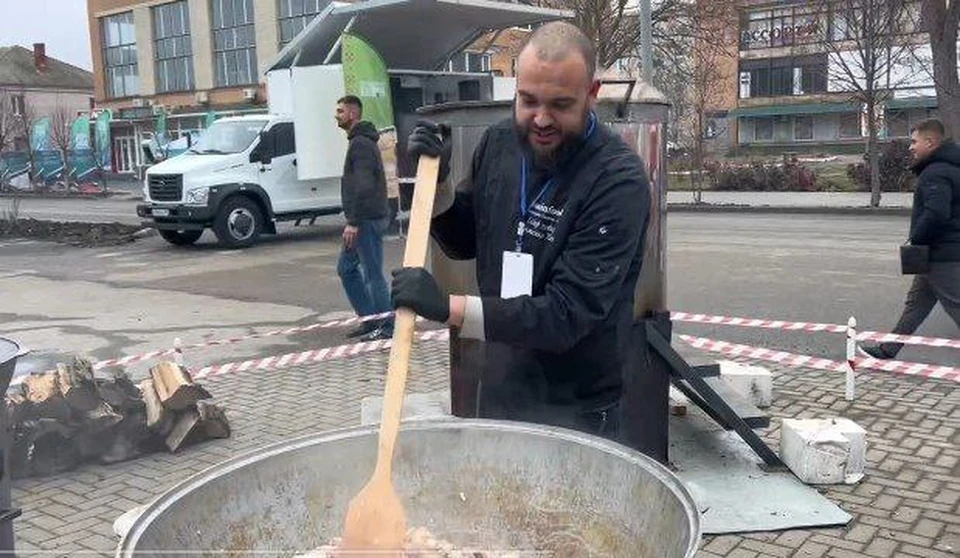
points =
(361, 272)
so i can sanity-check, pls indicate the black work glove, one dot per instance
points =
(433, 140)
(416, 289)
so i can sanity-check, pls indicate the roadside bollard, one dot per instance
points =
(851, 356)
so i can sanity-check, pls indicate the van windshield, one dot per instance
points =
(228, 137)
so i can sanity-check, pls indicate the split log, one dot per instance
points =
(101, 418)
(53, 450)
(129, 439)
(175, 388)
(184, 426)
(20, 409)
(121, 393)
(158, 419)
(43, 390)
(213, 420)
(77, 385)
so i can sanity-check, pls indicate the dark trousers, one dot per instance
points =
(942, 285)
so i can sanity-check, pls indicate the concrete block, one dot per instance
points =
(753, 382)
(824, 451)
(416, 406)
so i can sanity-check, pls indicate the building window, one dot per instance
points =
(18, 105)
(172, 51)
(773, 77)
(813, 79)
(234, 43)
(850, 125)
(295, 15)
(473, 62)
(119, 42)
(803, 128)
(898, 124)
(763, 129)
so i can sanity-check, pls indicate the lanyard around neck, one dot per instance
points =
(524, 207)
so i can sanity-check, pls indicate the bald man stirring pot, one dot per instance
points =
(554, 210)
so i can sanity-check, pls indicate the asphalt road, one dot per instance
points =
(124, 300)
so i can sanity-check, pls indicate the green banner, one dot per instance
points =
(80, 133)
(365, 75)
(160, 132)
(103, 138)
(40, 135)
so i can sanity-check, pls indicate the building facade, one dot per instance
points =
(792, 85)
(34, 86)
(192, 58)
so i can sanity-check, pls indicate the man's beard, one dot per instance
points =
(550, 160)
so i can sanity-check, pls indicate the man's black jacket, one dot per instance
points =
(569, 344)
(363, 188)
(936, 204)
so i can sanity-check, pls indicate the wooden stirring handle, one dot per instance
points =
(415, 255)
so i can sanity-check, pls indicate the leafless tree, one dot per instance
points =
(868, 42)
(14, 118)
(941, 20)
(8, 120)
(60, 134)
(704, 96)
(614, 25)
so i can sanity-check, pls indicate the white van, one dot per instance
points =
(239, 179)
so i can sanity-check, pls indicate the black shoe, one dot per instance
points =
(378, 334)
(874, 352)
(363, 329)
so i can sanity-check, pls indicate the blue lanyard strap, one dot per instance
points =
(524, 208)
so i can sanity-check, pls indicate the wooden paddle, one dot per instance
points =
(375, 518)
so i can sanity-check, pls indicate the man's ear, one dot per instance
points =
(594, 90)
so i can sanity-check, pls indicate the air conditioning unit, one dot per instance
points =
(138, 102)
(202, 97)
(249, 93)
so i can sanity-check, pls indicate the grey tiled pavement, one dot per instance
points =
(908, 504)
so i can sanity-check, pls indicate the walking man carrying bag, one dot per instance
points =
(934, 226)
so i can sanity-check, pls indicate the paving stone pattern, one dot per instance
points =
(908, 504)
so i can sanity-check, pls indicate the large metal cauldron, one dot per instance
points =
(490, 484)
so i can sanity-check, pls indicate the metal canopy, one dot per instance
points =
(409, 34)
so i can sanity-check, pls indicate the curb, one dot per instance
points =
(787, 210)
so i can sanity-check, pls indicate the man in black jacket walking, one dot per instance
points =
(935, 223)
(554, 209)
(363, 193)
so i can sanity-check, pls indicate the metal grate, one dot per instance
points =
(166, 187)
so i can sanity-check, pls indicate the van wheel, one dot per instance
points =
(181, 238)
(238, 222)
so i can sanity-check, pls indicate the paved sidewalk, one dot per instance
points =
(908, 505)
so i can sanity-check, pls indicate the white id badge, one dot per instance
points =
(517, 278)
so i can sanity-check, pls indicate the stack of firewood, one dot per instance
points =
(66, 417)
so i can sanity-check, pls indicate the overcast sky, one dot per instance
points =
(61, 24)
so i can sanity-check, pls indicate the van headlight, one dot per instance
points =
(198, 196)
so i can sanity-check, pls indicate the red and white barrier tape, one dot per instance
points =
(790, 359)
(815, 327)
(123, 361)
(315, 355)
(750, 322)
(908, 339)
